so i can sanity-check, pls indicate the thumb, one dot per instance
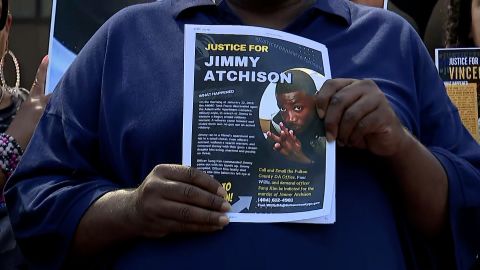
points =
(38, 87)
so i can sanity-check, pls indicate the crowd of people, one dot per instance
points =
(99, 186)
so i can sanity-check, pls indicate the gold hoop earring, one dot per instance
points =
(4, 87)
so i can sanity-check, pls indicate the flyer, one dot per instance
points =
(250, 121)
(459, 68)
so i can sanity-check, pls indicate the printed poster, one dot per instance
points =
(459, 68)
(250, 121)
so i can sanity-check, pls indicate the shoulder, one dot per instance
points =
(362, 15)
(138, 26)
(163, 7)
(143, 13)
(383, 28)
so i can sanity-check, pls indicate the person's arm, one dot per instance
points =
(28, 115)
(357, 114)
(423, 185)
(65, 198)
(172, 199)
(59, 176)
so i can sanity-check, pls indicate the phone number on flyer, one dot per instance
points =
(274, 200)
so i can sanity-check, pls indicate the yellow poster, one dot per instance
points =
(465, 98)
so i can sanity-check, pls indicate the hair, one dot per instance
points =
(4, 14)
(459, 24)
(301, 81)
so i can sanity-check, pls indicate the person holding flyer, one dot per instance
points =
(97, 188)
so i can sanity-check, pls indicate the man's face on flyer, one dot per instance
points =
(297, 110)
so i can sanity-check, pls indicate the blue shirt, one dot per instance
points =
(118, 112)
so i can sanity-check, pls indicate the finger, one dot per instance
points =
(291, 135)
(292, 138)
(357, 111)
(339, 103)
(329, 88)
(288, 132)
(38, 87)
(189, 175)
(283, 136)
(277, 147)
(298, 144)
(274, 137)
(190, 214)
(282, 127)
(367, 125)
(192, 195)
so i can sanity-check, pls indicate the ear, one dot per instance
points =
(8, 26)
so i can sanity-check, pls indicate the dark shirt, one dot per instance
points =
(118, 112)
(77, 20)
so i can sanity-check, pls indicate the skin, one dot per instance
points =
(372, 3)
(29, 113)
(177, 199)
(171, 199)
(27, 117)
(476, 22)
(269, 13)
(358, 115)
(298, 111)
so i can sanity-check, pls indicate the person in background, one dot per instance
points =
(20, 111)
(98, 182)
(463, 26)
